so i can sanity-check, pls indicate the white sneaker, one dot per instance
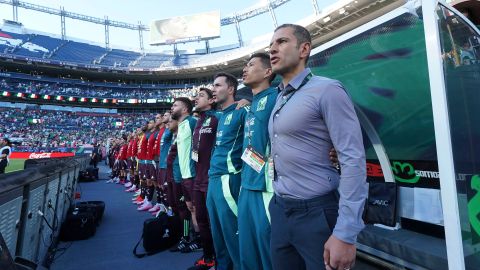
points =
(155, 208)
(145, 206)
(128, 184)
(132, 188)
(117, 180)
(137, 193)
(142, 202)
(109, 181)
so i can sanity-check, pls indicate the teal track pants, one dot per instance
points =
(254, 229)
(222, 199)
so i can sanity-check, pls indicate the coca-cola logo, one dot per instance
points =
(40, 155)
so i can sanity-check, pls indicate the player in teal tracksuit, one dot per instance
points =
(224, 173)
(257, 191)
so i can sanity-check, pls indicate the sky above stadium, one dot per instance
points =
(133, 11)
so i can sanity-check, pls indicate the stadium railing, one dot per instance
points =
(34, 202)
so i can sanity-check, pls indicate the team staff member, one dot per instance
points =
(257, 190)
(311, 115)
(5, 152)
(203, 142)
(224, 174)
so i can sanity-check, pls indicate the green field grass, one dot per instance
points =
(15, 165)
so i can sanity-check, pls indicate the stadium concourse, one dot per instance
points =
(119, 231)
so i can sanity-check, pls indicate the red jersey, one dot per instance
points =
(142, 147)
(158, 142)
(150, 145)
(135, 147)
(122, 154)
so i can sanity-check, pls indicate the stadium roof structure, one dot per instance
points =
(324, 25)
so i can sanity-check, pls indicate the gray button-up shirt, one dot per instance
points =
(319, 116)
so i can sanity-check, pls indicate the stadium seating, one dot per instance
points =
(76, 88)
(34, 129)
(42, 46)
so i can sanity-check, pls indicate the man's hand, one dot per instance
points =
(242, 103)
(338, 255)
(334, 158)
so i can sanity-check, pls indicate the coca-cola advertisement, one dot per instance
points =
(33, 155)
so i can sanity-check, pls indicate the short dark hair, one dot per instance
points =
(300, 32)
(187, 102)
(230, 79)
(7, 140)
(206, 90)
(265, 59)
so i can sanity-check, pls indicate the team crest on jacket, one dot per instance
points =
(228, 119)
(206, 123)
(262, 103)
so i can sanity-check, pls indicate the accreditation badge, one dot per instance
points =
(253, 159)
(195, 156)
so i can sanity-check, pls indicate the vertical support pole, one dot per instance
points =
(239, 33)
(315, 7)
(272, 14)
(140, 36)
(448, 188)
(62, 23)
(107, 33)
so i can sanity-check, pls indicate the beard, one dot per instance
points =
(176, 115)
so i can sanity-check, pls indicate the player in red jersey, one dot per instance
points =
(148, 173)
(122, 159)
(142, 152)
(160, 127)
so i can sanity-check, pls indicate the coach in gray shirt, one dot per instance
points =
(313, 114)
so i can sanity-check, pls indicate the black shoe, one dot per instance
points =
(181, 245)
(192, 246)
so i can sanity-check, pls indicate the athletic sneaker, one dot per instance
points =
(128, 184)
(138, 199)
(131, 189)
(192, 246)
(141, 202)
(178, 247)
(145, 206)
(155, 208)
(203, 264)
(109, 181)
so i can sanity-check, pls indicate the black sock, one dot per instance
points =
(150, 190)
(159, 193)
